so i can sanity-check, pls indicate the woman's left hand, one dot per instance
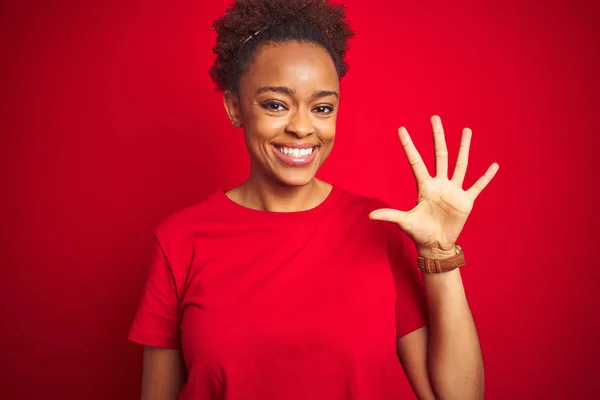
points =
(443, 206)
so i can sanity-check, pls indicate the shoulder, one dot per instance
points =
(179, 227)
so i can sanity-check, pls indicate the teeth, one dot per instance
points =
(295, 152)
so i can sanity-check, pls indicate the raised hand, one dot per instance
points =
(443, 206)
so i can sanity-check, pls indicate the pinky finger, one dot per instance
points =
(482, 182)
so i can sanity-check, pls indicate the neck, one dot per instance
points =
(260, 194)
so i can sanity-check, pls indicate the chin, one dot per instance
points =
(296, 179)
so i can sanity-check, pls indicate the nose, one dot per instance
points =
(300, 124)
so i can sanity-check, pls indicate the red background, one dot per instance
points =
(110, 123)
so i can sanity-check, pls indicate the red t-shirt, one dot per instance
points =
(267, 305)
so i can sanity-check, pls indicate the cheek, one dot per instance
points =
(260, 127)
(266, 127)
(326, 129)
(269, 126)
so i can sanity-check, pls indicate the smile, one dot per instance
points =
(295, 152)
(296, 157)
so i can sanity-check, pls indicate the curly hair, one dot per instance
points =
(247, 24)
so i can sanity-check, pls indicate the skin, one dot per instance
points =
(300, 106)
(454, 362)
(164, 373)
(291, 94)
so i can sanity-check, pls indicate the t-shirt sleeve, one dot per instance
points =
(157, 322)
(411, 310)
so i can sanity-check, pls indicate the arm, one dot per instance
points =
(412, 352)
(453, 356)
(446, 359)
(157, 324)
(164, 374)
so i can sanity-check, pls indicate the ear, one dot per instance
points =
(231, 102)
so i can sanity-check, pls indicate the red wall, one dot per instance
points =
(110, 123)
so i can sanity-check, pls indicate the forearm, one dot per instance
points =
(164, 373)
(454, 357)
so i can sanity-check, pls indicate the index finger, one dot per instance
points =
(414, 158)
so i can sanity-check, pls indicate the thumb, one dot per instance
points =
(390, 215)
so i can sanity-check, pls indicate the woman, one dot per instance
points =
(287, 287)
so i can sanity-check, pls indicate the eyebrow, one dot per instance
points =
(324, 93)
(290, 92)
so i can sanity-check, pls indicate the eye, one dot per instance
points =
(323, 110)
(273, 106)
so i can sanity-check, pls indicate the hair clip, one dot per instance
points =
(254, 34)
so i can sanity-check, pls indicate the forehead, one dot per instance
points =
(301, 66)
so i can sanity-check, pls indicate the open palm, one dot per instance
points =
(443, 206)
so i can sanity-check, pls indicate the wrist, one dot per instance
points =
(440, 260)
(436, 253)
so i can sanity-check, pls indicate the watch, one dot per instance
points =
(433, 266)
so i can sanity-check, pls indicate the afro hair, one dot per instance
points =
(249, 23)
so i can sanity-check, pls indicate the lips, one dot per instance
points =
(296, 154)
(295, 145)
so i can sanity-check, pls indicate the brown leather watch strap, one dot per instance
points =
(432, 266)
